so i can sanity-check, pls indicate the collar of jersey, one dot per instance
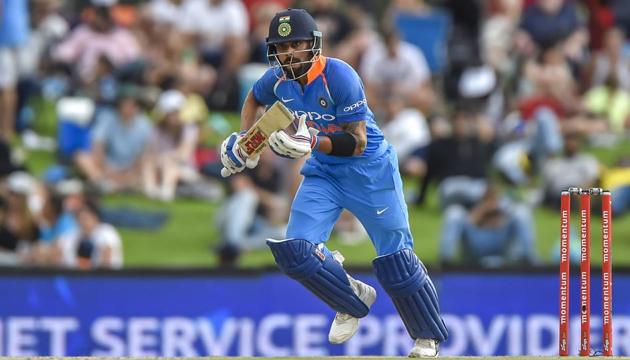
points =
(316, 69)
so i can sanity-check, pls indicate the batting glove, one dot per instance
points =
(294, 146)
(233, 158)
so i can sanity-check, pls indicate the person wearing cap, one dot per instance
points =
(171, 149)
(350, 166)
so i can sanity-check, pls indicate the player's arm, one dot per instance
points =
(351, 142)
(232, 157)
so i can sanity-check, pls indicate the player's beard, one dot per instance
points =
(293, 73)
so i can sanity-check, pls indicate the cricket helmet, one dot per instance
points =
(288, 26)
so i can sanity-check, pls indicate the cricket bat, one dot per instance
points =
(277, 117)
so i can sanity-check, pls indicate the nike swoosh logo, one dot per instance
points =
(379, 212)
(286, 100)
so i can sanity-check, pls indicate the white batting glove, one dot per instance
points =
(293, 146)
(233, 158)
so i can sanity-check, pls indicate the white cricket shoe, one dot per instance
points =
(424, 348)
(345, 325)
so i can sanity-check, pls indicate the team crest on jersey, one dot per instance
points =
(284, 29)
(323, 103)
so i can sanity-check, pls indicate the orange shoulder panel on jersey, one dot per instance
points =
(316, 69)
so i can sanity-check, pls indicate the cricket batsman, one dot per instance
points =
(351, 166)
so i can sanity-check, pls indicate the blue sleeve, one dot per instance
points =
(102, 125)
(347, 92)
(263, 89)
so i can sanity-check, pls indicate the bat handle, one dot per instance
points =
(225, 172)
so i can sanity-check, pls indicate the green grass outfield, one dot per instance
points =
(190, 234)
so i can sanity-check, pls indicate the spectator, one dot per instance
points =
(549, 77)
(610, 61)
(8, 163)
(460, 162)
(498, 33)
(548, 20)
(47, 28)
(169, 43)
(23, 206)
(98, 37)
(464, 32)
(407, 130)
(353, 48)
(400, 66)
(222, 27)
(168, 13)
(396, 7)
(610, 104)
(119, 142)
(493, 233)
(253, 212)
(530, 138)
(609, 95)
(55, 223)
(262, 14)
(573, 168)
(14, 33)
(169, 157)
(194, 110)
(8, 239)
(95, 245)
(331, 20)
(617, 179)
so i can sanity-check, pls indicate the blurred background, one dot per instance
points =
(111, 113)
(117, 108)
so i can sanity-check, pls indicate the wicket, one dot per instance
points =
(585, 269)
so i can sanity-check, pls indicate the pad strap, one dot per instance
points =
(406, 281)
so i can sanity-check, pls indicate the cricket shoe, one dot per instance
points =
(424, 348)
(345, 325)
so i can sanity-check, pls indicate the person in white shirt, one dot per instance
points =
(95, 245)
(168, 12)
(405, 127)
(399, 64)
(221, 27)
(170, 155)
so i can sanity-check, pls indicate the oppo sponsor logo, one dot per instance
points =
(355, 106)
(312, 115)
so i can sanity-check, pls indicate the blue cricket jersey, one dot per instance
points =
(333, 95)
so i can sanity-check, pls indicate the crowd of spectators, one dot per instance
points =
(491, 103)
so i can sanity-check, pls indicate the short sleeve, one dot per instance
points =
(107, 236)
(347, 92)
(102, 125)
(238, 19)
(263, 89)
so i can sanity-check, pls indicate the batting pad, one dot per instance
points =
(319, 273)
(406, 281)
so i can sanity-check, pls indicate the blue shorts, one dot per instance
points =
(369, 188)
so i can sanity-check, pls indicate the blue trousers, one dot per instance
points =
(369, 188)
